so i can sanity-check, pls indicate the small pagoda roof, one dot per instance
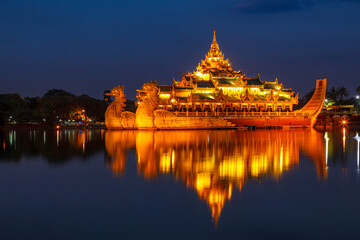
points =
(281, 98)
(165, 88)
(205, 84)
(274, 86)
(225, 80)
(183, 88)
(254, 81)
(287, 90)
(203, 96)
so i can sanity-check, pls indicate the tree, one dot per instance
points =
(342, 92)
(308, 95)
(337, 94)
(12, 105)
(358, 90)
(303, 100)
(332, 94)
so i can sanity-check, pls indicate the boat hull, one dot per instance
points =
(148, 117)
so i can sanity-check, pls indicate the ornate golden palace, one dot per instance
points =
(215, 96)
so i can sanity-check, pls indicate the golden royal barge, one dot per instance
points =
(214, 97)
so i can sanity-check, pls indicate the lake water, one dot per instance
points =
(97, 184)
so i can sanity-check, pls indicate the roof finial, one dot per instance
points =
(214, 45)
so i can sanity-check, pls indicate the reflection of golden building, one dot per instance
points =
(216, 162)
(116, 144)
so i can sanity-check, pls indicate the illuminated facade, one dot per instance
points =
(215, 163)
(216, 87)
(216, 96)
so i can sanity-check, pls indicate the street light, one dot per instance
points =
(83, 111)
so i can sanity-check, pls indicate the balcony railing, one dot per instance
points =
(234, 115)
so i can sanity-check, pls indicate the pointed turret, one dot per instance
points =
(214, 61)
(214, 49)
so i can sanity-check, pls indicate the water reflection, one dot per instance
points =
(215, 163)
(357, 138)
(116, 148)
(55, 146)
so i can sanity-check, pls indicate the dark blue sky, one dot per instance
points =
(88, 46)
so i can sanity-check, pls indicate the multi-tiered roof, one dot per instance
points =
(214, 62)
(215, 79)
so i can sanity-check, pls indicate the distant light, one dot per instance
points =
(326, 100)
(57, 126)
(357, 96)
(343, 122)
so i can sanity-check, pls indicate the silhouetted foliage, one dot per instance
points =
(337, 94)
(11, 106)
(334, 96)
(56, 104)
(58, 92)
(303, 100)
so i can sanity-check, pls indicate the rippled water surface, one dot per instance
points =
(97, 184)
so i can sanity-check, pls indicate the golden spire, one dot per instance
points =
(214, 61)
(214, 45)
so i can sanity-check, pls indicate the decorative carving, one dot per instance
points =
(296, 99)
(193, 98)
(221, 97)
(186, 81)
(114, 110)
(120, 97)
(247, 96)
(272, 97)
(150, 91)
(240, 82)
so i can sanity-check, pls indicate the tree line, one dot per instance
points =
(53, 106)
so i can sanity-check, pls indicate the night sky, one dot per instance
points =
(89, 46)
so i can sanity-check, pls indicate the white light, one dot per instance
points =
(199, 74)
(357, 97)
